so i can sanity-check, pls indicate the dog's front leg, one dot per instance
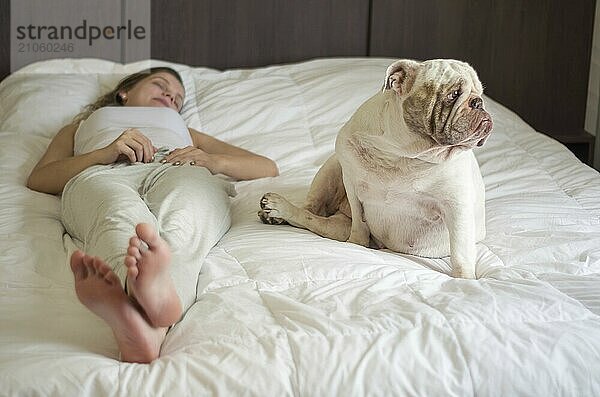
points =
(460, 221)
(360, 232)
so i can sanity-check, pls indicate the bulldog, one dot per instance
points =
(403, 175)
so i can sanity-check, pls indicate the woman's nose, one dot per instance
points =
(171, 96)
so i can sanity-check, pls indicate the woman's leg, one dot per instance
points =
(101, 207)
(192, 208)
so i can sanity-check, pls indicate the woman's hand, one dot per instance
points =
(193, 156)
(131, 145)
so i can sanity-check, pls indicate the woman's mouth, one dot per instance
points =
(163, 101)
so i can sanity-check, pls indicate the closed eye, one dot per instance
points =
(161, 82)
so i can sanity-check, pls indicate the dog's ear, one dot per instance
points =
(400, 76)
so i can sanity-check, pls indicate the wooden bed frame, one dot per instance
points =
(532, 56)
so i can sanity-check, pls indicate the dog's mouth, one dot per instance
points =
(482, 132)
(475, 133)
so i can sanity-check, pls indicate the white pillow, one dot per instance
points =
(42, 97)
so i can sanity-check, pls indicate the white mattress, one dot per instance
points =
(282, 311)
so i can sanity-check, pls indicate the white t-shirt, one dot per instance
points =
(163, 126)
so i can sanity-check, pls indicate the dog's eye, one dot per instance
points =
(453, 95)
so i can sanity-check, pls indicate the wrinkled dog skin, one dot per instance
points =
(403, 175)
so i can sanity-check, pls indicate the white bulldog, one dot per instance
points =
(403, 175)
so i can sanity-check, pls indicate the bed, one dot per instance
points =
(281, 311)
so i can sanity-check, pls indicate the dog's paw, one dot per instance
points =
(273, 209)
(270, 220)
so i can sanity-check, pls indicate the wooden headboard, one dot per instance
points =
(532, 56)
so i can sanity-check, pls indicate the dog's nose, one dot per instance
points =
(476, 103)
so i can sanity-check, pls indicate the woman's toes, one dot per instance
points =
(147, 234)
(77, 266)
(88, 261)
(134, 251)
(132, 271)
(101, 267)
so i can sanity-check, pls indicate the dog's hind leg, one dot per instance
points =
(276, 207)
(325, 212)
(327, 193)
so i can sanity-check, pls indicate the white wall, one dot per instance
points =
(592, 117)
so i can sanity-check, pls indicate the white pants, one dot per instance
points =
(187, 205)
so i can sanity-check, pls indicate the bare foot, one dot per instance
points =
(99, 289)
(148, 260)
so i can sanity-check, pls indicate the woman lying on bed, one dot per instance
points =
(126, 160)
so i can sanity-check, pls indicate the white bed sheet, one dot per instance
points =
(282, 311)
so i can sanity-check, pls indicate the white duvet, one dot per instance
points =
(281, 311)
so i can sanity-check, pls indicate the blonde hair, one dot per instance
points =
(113, 98)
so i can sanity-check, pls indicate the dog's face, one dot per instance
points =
(441, 100)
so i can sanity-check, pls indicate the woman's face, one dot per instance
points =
(160, 89)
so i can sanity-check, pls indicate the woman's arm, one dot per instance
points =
(58, 164)
(222, 158)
